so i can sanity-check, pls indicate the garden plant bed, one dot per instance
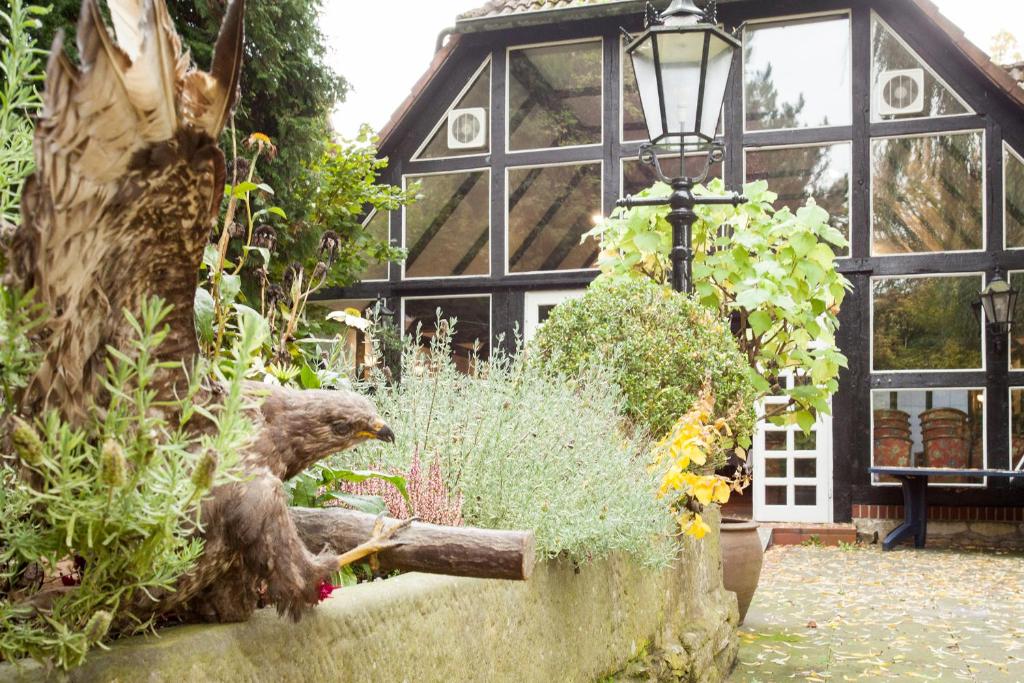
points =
(567, 623)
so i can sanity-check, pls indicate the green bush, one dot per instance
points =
(526, 451)
(662, 346)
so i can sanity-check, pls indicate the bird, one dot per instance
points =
(128, 183)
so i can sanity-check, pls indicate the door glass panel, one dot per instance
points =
(1013, 190)
(805, 468)
(796, 174)
(776, 467)
(555, 96)
(1017, 429)
(550, 208)
(926, 193)
(1017, 331)
(471, 125)
(775, 495)
(775, 441)
(378, 227)
(472, 337)
(784, 88)
(926, 323)
(447, 228)
(804, 442)
(637, 176)
(929, 428)
(903, 85)
(805, 495)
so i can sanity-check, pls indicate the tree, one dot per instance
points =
(1005, 48)
(288, 89)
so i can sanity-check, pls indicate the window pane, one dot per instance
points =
(554, 96)
(805, 495)
(472, 315)
(1014, 198)
(796, 174)
(637, 176)
(1017, 331)
(804, 442)
(903, 86)
(1017, 429)
(927, 193)
(926, 323)
(379, 228)
(929, 428)
(634, 126)
(774, 440)
(446, 229)
(471, 125)
(805, 467)
(797, 75)
(775, 495)
(775, 467)
(549, 210)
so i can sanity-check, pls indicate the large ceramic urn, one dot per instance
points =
(742, 556)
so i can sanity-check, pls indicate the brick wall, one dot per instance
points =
(943, 513)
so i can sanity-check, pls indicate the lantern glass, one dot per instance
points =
(999, 300)
(682, 75)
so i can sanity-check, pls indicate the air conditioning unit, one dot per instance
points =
(900, 91)
(467, 128)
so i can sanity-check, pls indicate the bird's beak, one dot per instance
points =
(379, 431)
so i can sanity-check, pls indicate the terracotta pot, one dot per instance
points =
(741, 560)
(942, 414)
(946, 451)
(897, 415)
(883, 432)
(892, 450)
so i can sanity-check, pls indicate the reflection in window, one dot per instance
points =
(1013, 191)
(554, 96)
(1017, 331)
(446, 229)
(634, 125)
(797, 74)
(929, 428)
(903, 86)
(549, 210)
(470, 121)
(926, 193)
(926, 323)
(637, 176)
(378, 228)
(1017, 429)
(470, 315)
(796, 174)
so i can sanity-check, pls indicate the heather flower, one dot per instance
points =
(113, 467)
(428, 492)
(326, 588)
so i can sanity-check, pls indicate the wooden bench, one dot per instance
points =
(915, 497)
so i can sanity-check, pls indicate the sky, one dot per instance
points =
(383, 54)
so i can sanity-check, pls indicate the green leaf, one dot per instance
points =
(647, 241)
(803, 243)
(760, 322)
(243, 188)
(308, 378)
(371, 504)
(203, 308)
(330, 474)
(230, 286)
(805, 420)
(262, 251)
(277, 211)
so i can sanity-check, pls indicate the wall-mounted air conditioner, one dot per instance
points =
(900, 92)
(467, 128)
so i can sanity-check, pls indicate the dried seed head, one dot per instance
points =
(292, 274)
(113, 468)
(319, 271)
(202, 476)
(236, 231)
(329, 245)
(275, 295)
(27, 443)
(264, 237)
(97, 627)
(238, 168)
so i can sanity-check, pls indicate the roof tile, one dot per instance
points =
(496, 8)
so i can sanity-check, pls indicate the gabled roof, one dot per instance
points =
(495, 8)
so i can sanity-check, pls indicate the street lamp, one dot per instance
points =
(682, 63)
(999, 302)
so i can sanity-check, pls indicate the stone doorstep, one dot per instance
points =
(827, 534)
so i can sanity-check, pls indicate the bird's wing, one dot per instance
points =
(128, 180)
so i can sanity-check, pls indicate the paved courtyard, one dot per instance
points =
(853, 614)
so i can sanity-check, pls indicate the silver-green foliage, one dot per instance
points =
(120, 493)
(21, 63)
(527, 451)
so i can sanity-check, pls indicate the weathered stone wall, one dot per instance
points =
(605, 618)
(1005, 535)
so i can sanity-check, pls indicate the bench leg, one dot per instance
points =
(915, 513)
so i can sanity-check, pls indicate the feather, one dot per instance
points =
(126, 16)
(151, 79)
(210, 98)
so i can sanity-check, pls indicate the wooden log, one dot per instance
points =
(422, 547)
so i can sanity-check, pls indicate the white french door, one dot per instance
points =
(792, 470)
(539, 304)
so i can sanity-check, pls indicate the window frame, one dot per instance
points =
(426, 297)
(510, 153)
(508, 223)
(983, 199)
(806, 17)
(405, 213)
(633, 158)
(415, 156)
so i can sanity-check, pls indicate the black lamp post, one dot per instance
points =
(999, 302)
(682, 63)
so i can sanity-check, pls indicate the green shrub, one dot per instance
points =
(663, 347)
(526, 451)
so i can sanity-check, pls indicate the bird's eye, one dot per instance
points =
(340, 428)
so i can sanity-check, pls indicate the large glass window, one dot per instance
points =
(1017, 331)
(555, 94)
(1017, 428)
(926, 323)
(1013, 193)
(796, 174)
(637, 176)
(797, 74)
(929, 428)
(465, 128)
(550, 208)
(927, 193)
(470, 316)
(378, 227)
(904, 86)
(447, 228)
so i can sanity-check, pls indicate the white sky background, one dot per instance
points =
(383, 46)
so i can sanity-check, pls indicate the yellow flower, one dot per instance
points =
(697, 527)
(259, 137)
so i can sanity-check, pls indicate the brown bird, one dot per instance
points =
(128, 185)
